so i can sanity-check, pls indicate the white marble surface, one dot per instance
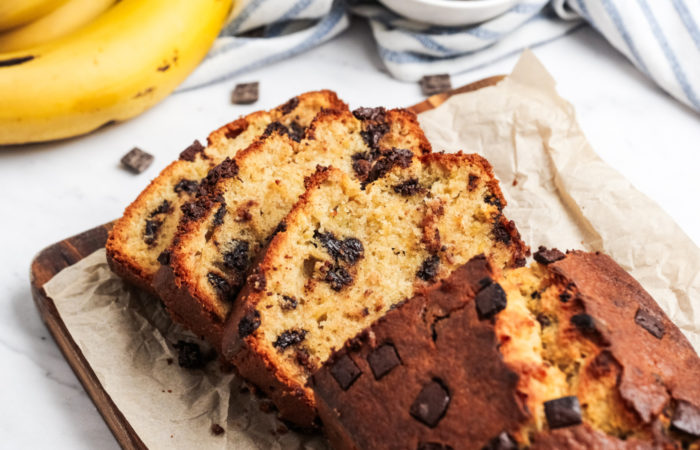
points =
(52, 191)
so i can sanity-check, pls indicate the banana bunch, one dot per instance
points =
(82, 64)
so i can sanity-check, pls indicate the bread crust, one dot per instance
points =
(126, 262)
(178, 284)
(658, 368)
(249, 356)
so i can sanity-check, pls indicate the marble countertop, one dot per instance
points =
(53, 191)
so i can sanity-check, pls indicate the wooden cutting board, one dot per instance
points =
(69, 251)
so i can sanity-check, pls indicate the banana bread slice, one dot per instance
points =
(567, 353)
(147, 227)
(349, 255)
(248, 196)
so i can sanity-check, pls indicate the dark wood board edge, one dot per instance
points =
(45, 265)
(67, 252)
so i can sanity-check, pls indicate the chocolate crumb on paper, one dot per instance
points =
(245, 93)
(137, 160)
(435, 84)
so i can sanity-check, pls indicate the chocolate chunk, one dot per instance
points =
(373, 133)
(394, 157)
(565, 296)
(216, 429)
(296, 131)
(137, 160)
(219, 215)
(435, 84)
(686, 418)
(275, 127)
(151, 231)
(490, 301)
(226, 169)
(375, 114)
(382, 360)
(473, 179)
(650, 322)
(361, 166)
(289, 337)
(189, 355)
(338, 278)
(193, 210)
(408, 187)
(563, 412)
(302, 357)
(544, 256)
(238, 257)
(218, 282)
(288, 303)
(163, 208)
(189, 186)
(433, 446)
(501, 442)
(290, 106)
(348, 250)
(500, 232)
(245, 93)
(584, 322)
(431, 404)
(248, 324)
(190, 153)
(345, 371)
(164, 257)
(429, 269)
(493, 200)
(257, 281)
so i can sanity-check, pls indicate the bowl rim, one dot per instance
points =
(460, 4)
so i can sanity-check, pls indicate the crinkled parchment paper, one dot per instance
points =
(559, 193)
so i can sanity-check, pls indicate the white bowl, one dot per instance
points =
(449, 12)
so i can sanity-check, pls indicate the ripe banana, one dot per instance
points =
(14, 13)
(61, 21)
(124, 62)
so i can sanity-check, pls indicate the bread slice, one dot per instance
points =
(148, 225)
(349, 255)
(249, 195)
(568, 353)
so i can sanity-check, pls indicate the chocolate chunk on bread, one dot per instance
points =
(349, 255)
(248, 196)
(564, 364)
(148, 225)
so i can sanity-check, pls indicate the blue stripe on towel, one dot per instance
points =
(670, 56)
(324, 27)
(688, 21)
(614, 15)
(233, 27)
(276, 28)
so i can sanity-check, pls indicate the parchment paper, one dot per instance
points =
(559, 193)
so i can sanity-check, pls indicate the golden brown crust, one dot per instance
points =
(138, 265)
(180, 287)
(436, 335)
(245, 348)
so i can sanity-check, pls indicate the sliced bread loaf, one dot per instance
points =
(248, 196)
(148, 225)
(570, 352)
(348, 255)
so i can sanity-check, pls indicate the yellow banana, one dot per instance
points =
(61, 21)
(124, 62)
(14, 13)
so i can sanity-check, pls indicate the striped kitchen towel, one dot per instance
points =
(660, 37)
(262, 32)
